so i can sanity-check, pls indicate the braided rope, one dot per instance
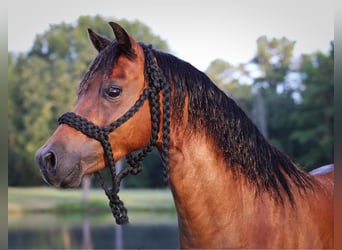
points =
(157, 82)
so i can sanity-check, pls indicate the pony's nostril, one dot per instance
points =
(50, 162)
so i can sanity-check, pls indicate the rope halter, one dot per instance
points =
(156, 83)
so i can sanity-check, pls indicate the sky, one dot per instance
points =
(197, 31)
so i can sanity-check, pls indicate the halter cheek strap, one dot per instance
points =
(157, 83)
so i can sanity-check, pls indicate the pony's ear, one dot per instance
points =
(99, 42)
(123, 38)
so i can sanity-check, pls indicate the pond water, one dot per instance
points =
(49, 231)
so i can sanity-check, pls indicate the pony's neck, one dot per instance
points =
(200, 181)
(217, 209)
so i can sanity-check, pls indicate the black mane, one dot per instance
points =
(234, 134)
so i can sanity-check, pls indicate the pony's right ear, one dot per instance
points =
(99, 42)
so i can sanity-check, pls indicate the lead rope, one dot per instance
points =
(157, 82)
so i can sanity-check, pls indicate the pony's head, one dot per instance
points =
(112, 86)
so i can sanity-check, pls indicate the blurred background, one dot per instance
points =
(276, 62)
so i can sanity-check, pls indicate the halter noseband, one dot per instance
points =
(157, 82)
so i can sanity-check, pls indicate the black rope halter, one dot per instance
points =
(157, 82)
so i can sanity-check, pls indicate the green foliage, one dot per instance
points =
(273, 57)
(314, 117)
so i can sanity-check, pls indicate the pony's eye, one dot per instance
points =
(113, 92)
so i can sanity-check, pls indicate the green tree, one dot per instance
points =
(273, 59)
(43, 84)
(314, 116)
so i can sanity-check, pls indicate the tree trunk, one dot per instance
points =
(86, 184)
(259, 112)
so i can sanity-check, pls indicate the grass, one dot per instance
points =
(52, 200)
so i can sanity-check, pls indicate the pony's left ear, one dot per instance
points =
(99, 42)
(122, 38)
